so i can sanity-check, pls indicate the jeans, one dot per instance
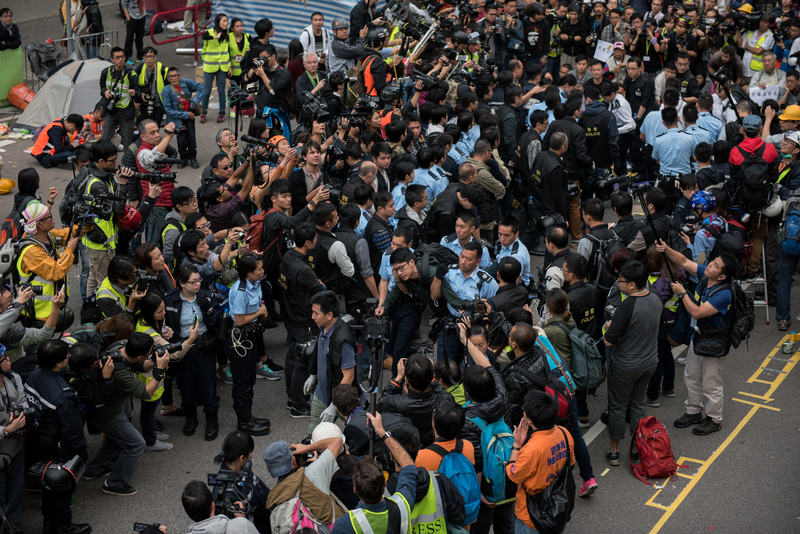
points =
(123, 445)
(155, 224)
(84, 269)
(405, 321)
(208, 79)
(501, 517)
(787, 270)
(134, 29)
(581, 452)
(295, 371)
(664, 377)
(11, 479)
(197, 380)
(48, 161)
(626, 394)
(148, 421)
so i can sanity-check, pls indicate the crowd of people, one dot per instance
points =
(394, 181)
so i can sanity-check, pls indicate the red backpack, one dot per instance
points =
(256, 232)
(652, 443)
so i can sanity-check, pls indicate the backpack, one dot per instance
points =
(652, 442)
(429, 255)
(357, 88)
(293, 517)
(550, 509)
(551, 385)
(789, 235)
(258, 243)
(72, 195)
(461, 473)
(10, 234)
(734, 241)
(586, 364)
(601, 273)
(742, 317)
(754, 185)
(496, 443)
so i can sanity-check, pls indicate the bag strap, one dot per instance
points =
(557, 360)
(438, 449)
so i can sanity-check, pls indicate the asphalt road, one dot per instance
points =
(742, 479)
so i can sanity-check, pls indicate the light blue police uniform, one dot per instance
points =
(451, 241)
(433, 181)
(247, 301)
(478, 285)
(699, 134)
(362, 222)
(711, 123)
(520, 252)
(652, 126)
(399, 196)
(458, 154)
(674, 150)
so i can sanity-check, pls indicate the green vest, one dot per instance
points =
(428, 514)
(237, 55)
(215, 54)
(120, 87)
(556, 49)
(367, 522)
(108, 227)
(107, 291)
(42, 304)
(672, 303)
(157, 74)
(147, 377)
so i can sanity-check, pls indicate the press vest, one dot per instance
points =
(357, 291)
(369, 81)
(757, 62)
(42, 304)
(215, 54)
(107, 226)
(237, 55)
(97, 127)
(147, 377)
(172, 223)
(157, 73)
(43, 141)
(428, 514)
(119, 85)
(367, 522)
(107, 291)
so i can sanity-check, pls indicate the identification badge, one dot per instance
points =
(239, 59)
(638, 93)
(646, 58)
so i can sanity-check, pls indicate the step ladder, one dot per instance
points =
(761, 281)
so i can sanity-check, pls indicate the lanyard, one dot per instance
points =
(314, 80)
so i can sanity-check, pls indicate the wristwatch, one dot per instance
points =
(387, 434)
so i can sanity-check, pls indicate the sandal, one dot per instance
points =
(177, 412)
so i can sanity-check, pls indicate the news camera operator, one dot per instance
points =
(13, 427)
(198, 503)
(59, 436)
(235, 477)
(275, 87)
(152, 149)
(104, 186)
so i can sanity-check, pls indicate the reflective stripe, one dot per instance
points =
(107, 291)
(367, 522)
(361, 519)
(405, 512)
(236, 55)
(215, 54)
(757, 62)
(430, 509)
(42, 304)
(147, 377)
(42, 143)
(121, 87)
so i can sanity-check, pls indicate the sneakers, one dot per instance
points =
(653, 403)
(583, 421)
(123, 491)
(588, 489)
(158, 446)
(612, 458)
(707, 427)
(130, 62)
(688, 419)
(265, 372)
(273, 365)
(203, 118)
(224, 374)
(783, 324)
(681, 360)
(162, 436)
(221, 117)
(668, 393)
(304, 412)
(104, 473)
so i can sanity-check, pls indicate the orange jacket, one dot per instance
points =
(43, 143)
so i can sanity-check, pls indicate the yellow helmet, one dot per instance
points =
(6, 185)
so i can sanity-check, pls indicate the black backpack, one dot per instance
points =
(754, 184)
(600, 272)
(429, 255)
(735, 241)
(72, 195)
(742, 317)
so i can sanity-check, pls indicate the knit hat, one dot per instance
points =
(278, 458)
(325, 431)
(36, 211)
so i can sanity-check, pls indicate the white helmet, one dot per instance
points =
(774, 206)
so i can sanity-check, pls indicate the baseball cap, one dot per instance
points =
(620, 45)
(752, 123)
(746, 8)
(791, 113)
(278, 458)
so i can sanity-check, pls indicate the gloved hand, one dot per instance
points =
(329, 414)
(441, 271)
(308, 387)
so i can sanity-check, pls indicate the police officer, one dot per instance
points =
(602, 134)
(689, 88)
(673, 151)
(118, 85)
(508, 244)
(60, 432)
(461, 282)
(465, 228)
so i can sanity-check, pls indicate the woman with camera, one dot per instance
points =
(149, 318)
(149, 258)
(245, 344)
(12, 455)
(236, 455)
(189, 305)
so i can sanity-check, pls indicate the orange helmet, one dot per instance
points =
(130, 220)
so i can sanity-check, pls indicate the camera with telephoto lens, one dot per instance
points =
(335, 194)
(116, 357)
(604, 186)
(155, 177)
(233, 488)
(474, 310)
(727, 27)
(259, 62)
(314, 108)
(749, 21)
(37, 290)
(160, 350)
(113, 101)
(781, 33)
(145, 279)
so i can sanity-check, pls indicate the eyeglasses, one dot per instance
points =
(204, 226)
(195, 282)
(226, 167)
(3, 358)
(399, 267)
(48, 217)
(621, 281)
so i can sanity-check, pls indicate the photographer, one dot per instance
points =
(198, 504)
(220, 200)
(151, 260)
(755, 43)
(235, 459)
(494, 35)
(13, 426)
(180, 108)
(116, 294)
(314, 80)
(118, 87)
(196, 251)
(152, 149)
(59, 436)
(363, 15)
(728, 58)
(275, 87)
(680, 41)
(14, 335)
(187, 305)
(343, 55)
(101, 180)
(39, 263)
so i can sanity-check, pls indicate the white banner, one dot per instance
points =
(760, 95)
(604, 50)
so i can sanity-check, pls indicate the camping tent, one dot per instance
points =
(73, 88)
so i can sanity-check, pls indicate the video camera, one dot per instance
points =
(428, 82)
(98, 205)
(365, 106)
(233, 488)
(144, 280)
(155, 177)
(723, 76)
(314, 108)
(749, 21)
(373, 327)
(240, 97)
(605, 185)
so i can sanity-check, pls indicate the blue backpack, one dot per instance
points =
(789, 236)
(461, 473)
(554, 362)
(496, 443)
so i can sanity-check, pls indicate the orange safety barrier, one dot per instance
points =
(193, 36)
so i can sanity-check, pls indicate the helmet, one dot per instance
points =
(460, 37)
(130, 220)
(376, 37)
(65, 319)
(703, 200)
(774, 206)
(6, 185)
(59, 477)
(340, 23)
(793, 136)
(474, 38)
(390, 93)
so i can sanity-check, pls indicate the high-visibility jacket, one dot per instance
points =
(216, 54)
(107, 226)
(108, 291)
(120, 86)
(369, 82)
(428, 514)
(95, 127)
(147, 377)
(159, 72)
(237, 55)
(757, 62)
(43, 144)
(42, 304)
(367, 522)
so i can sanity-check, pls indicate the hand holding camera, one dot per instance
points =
(15, 423)
(26, 293)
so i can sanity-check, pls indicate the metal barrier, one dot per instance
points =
(193, 36)
(85, 47)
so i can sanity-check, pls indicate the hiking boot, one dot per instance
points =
(122, 491)
(783, 324)
(265, 372)
(588, 489)
(302, 413)
(688, 419)
(612, 458)
(707, 427)
(252, 425)
(191, 424)
(224, 374)
(653, 403)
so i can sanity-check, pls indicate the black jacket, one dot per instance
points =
(576, 160)
(417, 406)
(585, 303)
(573, 46)
(548, 184)
(517, 386)
(404, 219)
(356, 434)
(490, 411)
(9, 37)
(509, 297)
(442, 213)
(297, 184)
(361, 15)
(93, 15)
(602, 136)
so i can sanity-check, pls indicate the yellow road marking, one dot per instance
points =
(604, 472)
(762, 397)
(757, 404)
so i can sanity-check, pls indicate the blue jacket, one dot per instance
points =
(171, 100)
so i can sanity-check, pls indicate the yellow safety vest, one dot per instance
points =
(237, 55)
(107, 291)
(367, 522)
(215, 54)
(157, 74)
(108, 227)
(120, 86)
(428, 514)
(147, 377)
(672, 303)
(757, 62)
(42, 304)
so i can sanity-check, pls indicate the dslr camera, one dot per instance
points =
(113, 101)
(259, 62)
(116, 357)
(37, 290)
(233, 488)
(160, 350)
(145, 279)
